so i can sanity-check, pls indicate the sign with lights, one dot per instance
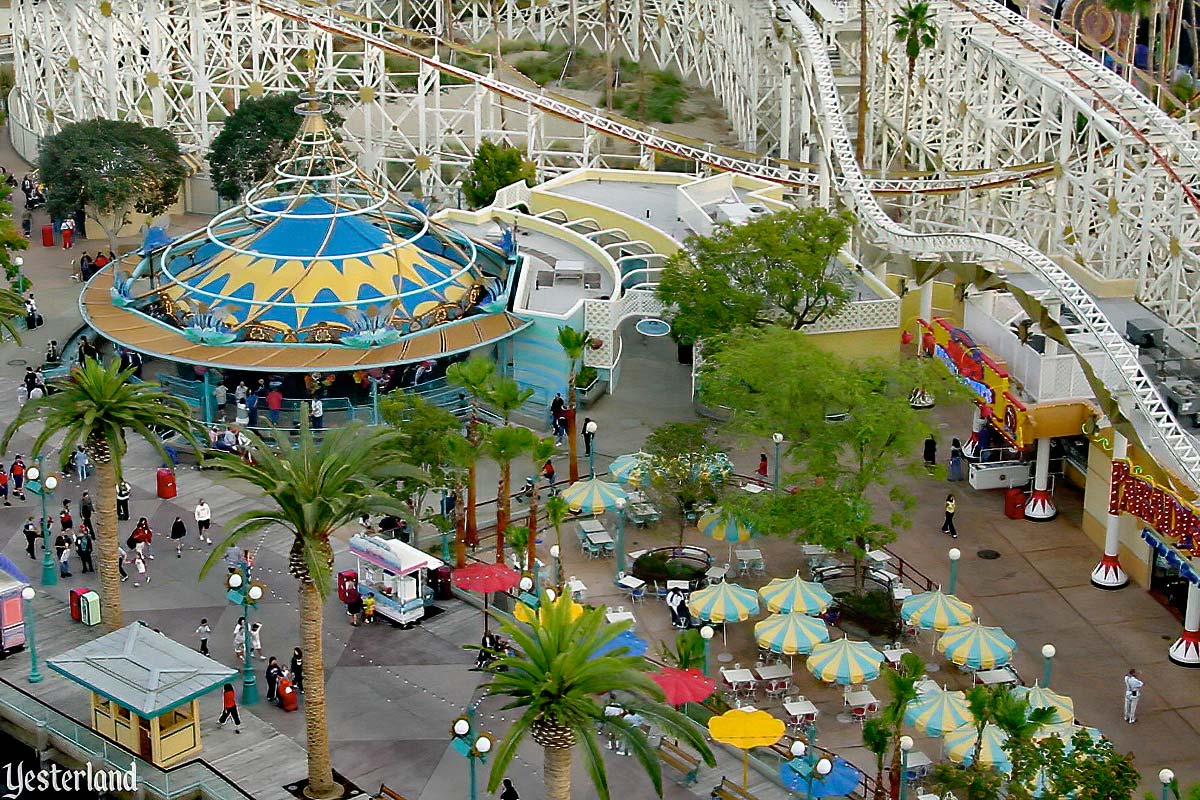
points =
(1155, 505)
(975, 369)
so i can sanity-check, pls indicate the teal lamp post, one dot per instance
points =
(1048, 653)
(811, 767)
(590, 428)
(246, 593)
(906, 744)
(471, 744)
(35, 676)
(777, 438)
(955, 554)
(620, 535)
(44, 487)
(706, 633)
(1166, 777)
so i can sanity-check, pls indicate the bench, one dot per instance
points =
(385, 793)
(688, 765)
(728, 790)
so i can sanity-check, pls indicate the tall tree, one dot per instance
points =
(573, 342)
(540, 451)
(10, 240)
(876, 737)
(560, 679)
(315, 487)
(557, 512)
(494, 167)
(914, 29)
(504, 444)
(902, 686)
(109, 169)
(474, 377)
(680, 467)
(95, 408)
(779, 268)
(428, 435)
(12, 309)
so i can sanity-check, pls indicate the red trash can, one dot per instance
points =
(166, 483)
(347, 585)
(47, 236)
(1014, 503)
(77, 602)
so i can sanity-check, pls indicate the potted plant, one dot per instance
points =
(587, 385)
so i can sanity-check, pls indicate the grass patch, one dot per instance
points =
(664, 94)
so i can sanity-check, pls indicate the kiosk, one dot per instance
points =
(396, 574)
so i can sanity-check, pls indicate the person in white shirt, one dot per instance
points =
(203, 520)
(316, 414)
(1133, 690)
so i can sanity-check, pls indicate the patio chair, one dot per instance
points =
(859, 714)
(660, 590)
(591, 550)
(638, 594)
(758, 567)
(779, 687)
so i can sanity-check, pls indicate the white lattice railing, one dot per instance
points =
(860, 315)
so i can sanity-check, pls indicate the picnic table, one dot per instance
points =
(894, 654)
(600, 537)
(590, 526)
(631, 582)
(774, 672)
(996, 677)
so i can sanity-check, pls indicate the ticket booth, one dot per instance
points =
(145, 690)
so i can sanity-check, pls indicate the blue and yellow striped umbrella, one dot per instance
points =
(790, 634)
(1067, 733)
(630, 469)
(592, 496)
(722, 526)
(785, 595)
(935, 611)
(977, 646)
(723, 602)
(717, 467)
(845, 661)
(960, 747)
(1041, 697)
(938, 713)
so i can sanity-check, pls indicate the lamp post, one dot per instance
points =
(555, 566)
(43, 487)
(706, 633)
(590, 429)
(471, 744)
(246, 593)
(620, 534)
(955, 554)
(906, 744)
(27, 595)
(777, 438)
(1048, 653)
(1167, 777)
(19, 262)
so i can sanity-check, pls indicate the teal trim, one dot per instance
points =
(140, 712)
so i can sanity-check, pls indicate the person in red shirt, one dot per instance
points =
(274, 405)
(17, 471)
(4, 485)
(229, 708)
(142, 535)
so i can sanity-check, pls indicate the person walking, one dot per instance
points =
(178, 532)
(956, 461)
(204, 630)
(203, 516)
(17, 473)
(761, 472)
(4, 485)
(272, 676)
(64, 517)
(83, 467)
(930, 452)
(67, 228)
(123, 492)
(558, 418)
(31, 536)
(252, 403)
(589, 435)
(62, 552)
(1133, 690)
(239, 639)
(220, 399)
(256, 641)
(229, 708)
(86, 509)
(122, 554)
(274, 405)
(142, 538)
(509, 792)
(139, 564)
(948, 525)
(296, 669)
(85, 545)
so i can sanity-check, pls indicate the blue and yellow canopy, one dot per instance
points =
(960, 747)
(785, 595)
(722, 526)
(977, 646)
(790, 634)
(936, 611)
(938, 713)
(845, 661)
(723, 602)
(592, 496)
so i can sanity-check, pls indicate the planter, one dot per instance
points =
(588, 394)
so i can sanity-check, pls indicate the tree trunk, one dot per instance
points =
(894, 770)
(460, 529)
(472, 529)
(448, 20)
(502, 509)
(860, 139)
(557, 773)
(316, 736)
(572, 447)
(108, 539)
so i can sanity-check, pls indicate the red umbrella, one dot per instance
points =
(683, 685)
(485, 578)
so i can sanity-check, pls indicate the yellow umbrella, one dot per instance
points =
(744, 729)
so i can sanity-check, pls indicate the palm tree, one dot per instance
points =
(560, 681)
(461, 456)
(316, 486)
(1000, 707)
(540, 451)
(12, 308)
(573, 343)
(686, 652)
(504, 445)
(557, 512)
(520, 539)
(914, 27)
(475, 377)
(94, 409)
(876, 737)
(505, 396)
(902, 686)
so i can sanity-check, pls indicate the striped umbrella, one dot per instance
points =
(790, 634)
(717, 467)
(722, 526)
(1041, 697)
(634, 645)
(1067, 733)
(592, 496)
(977, 646)
(785, 595)
(845, 661)
(631, 468)
(960, 746)
(938, 713)
(723, 602)
(935, 611)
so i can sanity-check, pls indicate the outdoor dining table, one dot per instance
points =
(642, 513)
(879, 556)
(893, 655)
(684, 585)
(918, 762)
(631, 582)
(862, 697)
(801, 709)
(995, 677)
(591, 525)
(577, 588)
(814, 549)
(737, 676)
(773, 672)
(715, 573)
(600, 537)
(746, 556)
(614, 617)
(901, 593)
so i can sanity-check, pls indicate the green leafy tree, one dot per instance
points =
(679, 467)
(494, 167)
(96, 408)
(252, 139)
(474, 377)
(315, 487)
(776, 269)
(776, 380)
(10, 240)
(915, 29)
(1091, 769)
(428, 433)
(110, 169)
(504, 444)
(573, 342)
(686, 651)
(559, 680)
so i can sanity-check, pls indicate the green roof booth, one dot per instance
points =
(145, 689)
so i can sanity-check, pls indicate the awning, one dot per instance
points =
(1176, 559)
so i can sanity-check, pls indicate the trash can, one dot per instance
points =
(47, 236)
(77, 602)
(441, 584)
(89, 608)
(1014, 503)
(347, 582)
(166, 483)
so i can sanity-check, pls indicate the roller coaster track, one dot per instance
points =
(1112, 362)
(354, 26)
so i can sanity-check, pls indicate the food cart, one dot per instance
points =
(396, 574)
(12, 616)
